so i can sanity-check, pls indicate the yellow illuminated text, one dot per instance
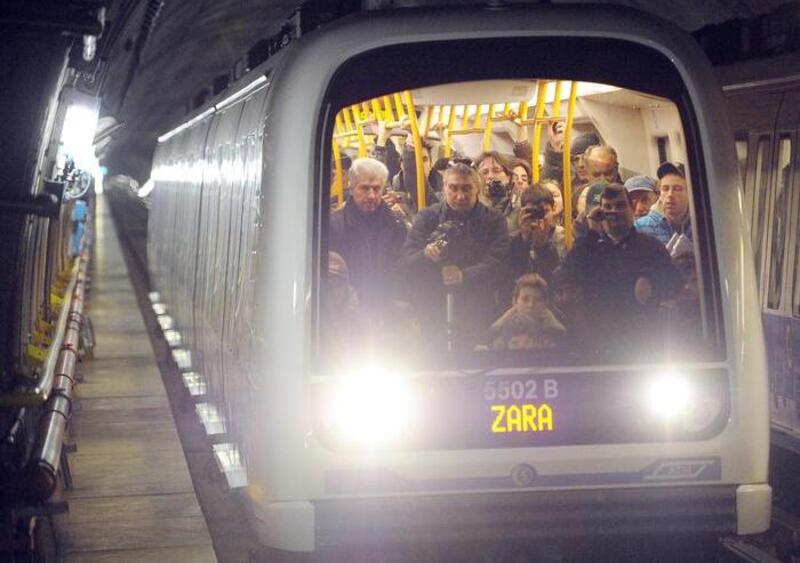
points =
(522, 418)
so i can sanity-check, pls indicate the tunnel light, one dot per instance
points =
(159, 308)
(229, 462)
(154, 297)
(182, 358)
(77, 136)
(173, 338)
(194, 383)
(166, 322)
(211, 418)
(370, 409)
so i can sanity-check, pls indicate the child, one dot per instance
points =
(530, 300)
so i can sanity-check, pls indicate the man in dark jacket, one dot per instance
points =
(367, 235)
(456, 252)
(623, 277)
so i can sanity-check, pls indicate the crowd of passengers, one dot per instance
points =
(485, 263)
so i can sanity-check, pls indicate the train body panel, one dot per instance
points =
(764, 103)
(250, 267)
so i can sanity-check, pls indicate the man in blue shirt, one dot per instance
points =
(670, 215)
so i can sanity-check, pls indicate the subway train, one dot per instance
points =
(764, 106)
(353, 427)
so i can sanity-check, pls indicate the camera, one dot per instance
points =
(536, 212)
(496, 189)
(445, 236)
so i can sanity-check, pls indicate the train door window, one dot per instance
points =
(781, 213)
(760, 195)
(741, 159)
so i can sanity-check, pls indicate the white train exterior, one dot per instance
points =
(234, 249)
(764, 105)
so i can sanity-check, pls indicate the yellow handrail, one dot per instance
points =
(362, 145)
(557, 100)
(412, 118)
(567, 165)
(338, 183)
(487, 134)
(451, 119)
(541, 89)
(398, 102)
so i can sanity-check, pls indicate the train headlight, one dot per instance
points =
(669, 396)
(680, 403)
(370, 410)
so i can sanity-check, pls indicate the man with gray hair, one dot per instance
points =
(366, 233)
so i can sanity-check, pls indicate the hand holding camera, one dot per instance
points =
(533, 225)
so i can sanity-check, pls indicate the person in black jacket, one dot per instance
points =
(367, 235)
(623, 277)
(456, 252)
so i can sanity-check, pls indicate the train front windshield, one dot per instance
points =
(500, 223)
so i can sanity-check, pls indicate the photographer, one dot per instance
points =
(462, 261)
(496, 172)
(622, 277)
(539, 247)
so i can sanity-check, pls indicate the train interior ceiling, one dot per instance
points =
(644, 129)
(464, 119)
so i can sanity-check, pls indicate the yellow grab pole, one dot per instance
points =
(522, 110)
(339, 124)
(362, 144)
(451, 120)
(506, 109)
(464, 122)
(412, 118)
(477, 122)
(541, 91)
(338, 183)
(348, 122)
(487, 134)
(376, 110)
(567, 163)
(557, 100)
(427, 123)
(387, 107)
(398, 102)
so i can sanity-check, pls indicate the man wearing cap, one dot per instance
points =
(622, 275)
(642, 191)
(670, 215)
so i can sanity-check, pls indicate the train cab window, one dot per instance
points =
(780, 220)
(458, 231)
(760, 195)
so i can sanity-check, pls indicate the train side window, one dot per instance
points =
(780, 221)
(760, 193)
(741, 159)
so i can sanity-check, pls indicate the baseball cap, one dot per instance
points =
(671, 168)
(640, 183)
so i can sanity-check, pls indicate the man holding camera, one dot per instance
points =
(623, 277)
(455, 254)
(539, 246)
(496, 172)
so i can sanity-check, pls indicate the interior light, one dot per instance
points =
(370, 409)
